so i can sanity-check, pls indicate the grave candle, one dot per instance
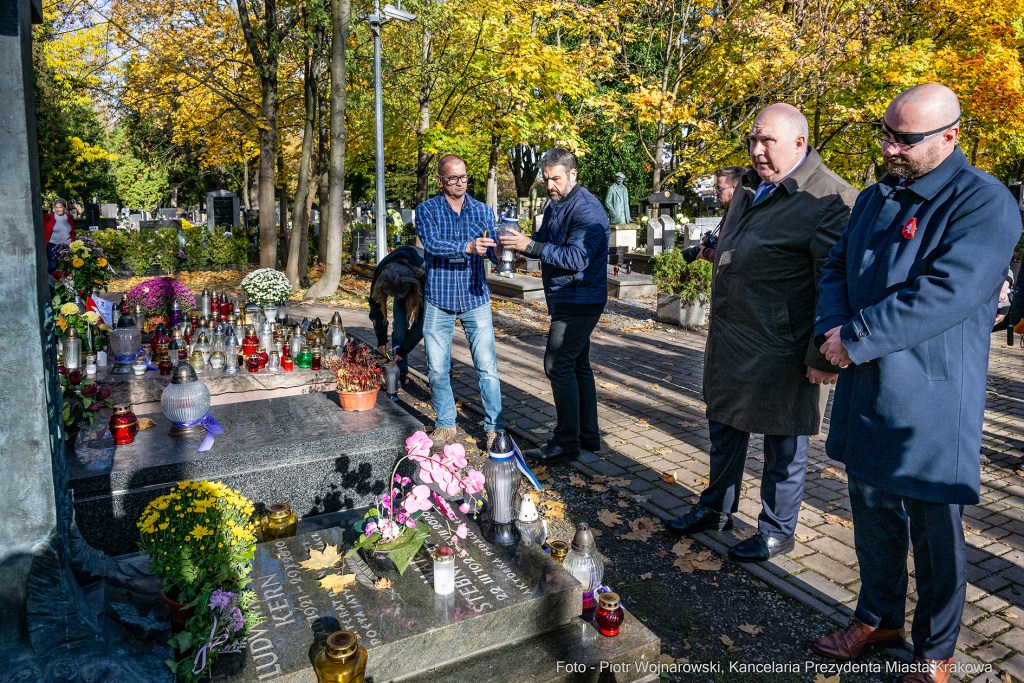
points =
(175, 313)
(90, 363)
(252, 362)
(343, 660)
(444, 571)
(72, 349)
(273, 362)
(558, 550)
(279, 523)
(609, 614)
(197, 361)
(123, 424)
(204, 302)
(585, 563)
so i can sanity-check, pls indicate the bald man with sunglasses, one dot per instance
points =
(905, 310)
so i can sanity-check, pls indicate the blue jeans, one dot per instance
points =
(438, 330)
(401, 326)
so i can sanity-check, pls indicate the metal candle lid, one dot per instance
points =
(609, 601)
(175, 306)
(528, 511)
(559, 550)
(583, 541)
(206, 292)
(341, 644)
(122, 408)
(72, 333)
(184, 374)
(279, 510)
(125, 321)
(443, 555)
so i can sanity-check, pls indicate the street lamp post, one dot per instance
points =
(377, 19)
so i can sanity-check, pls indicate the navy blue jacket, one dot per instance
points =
(916, 305)
(574, 260)
(413, 256)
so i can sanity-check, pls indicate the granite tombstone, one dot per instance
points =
(221, 209)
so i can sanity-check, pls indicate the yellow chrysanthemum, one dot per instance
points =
(200, 531)
(76, 245)
(77, 262)
(69, 309)
(92, 317)
(101, 262)
(163, 527)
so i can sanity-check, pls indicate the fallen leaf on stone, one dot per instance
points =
(577, 481)
(752, 629)
(682, 547)
(381, 584)
(743, 534)
(641, 499)
(597, 533)
(1011, 615)
(734, 648)
(608, 385)
(840, 520)
(618, 481)
(693, 500)
(756, 456)
(609, 518)
(642, 529)
(654, 387)
(607, 397)
(336, 582)
(726, 640)
(598, 488)
(663, 451)
(821, 678)
(666, 659)
(623, 504)
(703, 480)
(685, 566)
(661, 553)
(458, 404)
(145, 423)
(759, 584)
(540, 430)
(968, 529)
(320, 560)
(669, 478)
(833, 473)
(642, 422)
(648, 575)
(598, 478)
(805, 537)
(543, 476)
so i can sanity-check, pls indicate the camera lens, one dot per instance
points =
(690, 255)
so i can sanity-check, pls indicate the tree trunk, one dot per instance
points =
(282, 232)
(174, 197)
(301, 222)
(423, 157)
(340, 13)
(492, 175)
(245, 183)
(522, 161)
(323, 160)
(304, 247)
(268, 148)
(659, 151)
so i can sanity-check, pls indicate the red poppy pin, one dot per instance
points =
(909, 228)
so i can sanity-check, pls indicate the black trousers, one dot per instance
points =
(567, 365)
(884, 525)
(782, 479)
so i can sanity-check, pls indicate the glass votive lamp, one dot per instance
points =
(197, 361)
(280, 522)
(343, 659)
(185, 400)
(90, 363)
(123, 424)
(585, 563)
(273, 362)
(444, 571)
(72, 349)
(252, 362)
(125, 342)
(609, 614)
(559, 549)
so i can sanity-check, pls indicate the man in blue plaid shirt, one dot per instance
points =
(454, 229)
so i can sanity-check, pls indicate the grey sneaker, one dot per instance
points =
(491, 436)
(442, 436)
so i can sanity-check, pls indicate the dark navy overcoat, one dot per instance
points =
(914, 282)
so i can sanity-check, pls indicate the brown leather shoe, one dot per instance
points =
(938, 671)
(855, 638)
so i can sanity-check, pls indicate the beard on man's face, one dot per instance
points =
(903, 167)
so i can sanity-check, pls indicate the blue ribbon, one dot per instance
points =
(129, 359)
(211, 426)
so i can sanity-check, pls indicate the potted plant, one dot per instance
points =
(359, 377)
(156, 296)
(199, 537)
(265, 286)
(82, 399)
(683, 288)
(391, 533)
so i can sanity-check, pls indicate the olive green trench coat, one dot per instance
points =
(763, 296)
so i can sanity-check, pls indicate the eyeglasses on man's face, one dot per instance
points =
(454, 179)
(907, 141)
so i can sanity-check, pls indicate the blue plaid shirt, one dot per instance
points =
(456, 281)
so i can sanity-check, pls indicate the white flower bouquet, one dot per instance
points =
(265, 286)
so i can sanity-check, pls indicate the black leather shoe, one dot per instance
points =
(760, 547)
(550, 452)
(700, 518)
(592, 447)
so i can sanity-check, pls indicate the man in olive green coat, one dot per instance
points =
(762, 373)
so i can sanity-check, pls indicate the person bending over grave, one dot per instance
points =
(453, 228)
(572, 246)
(401, 275)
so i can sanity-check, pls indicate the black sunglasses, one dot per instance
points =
(910, 138)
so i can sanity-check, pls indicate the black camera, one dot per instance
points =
(709, 240)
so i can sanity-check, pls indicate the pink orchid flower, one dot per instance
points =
(370, 528)
(461, 531)
(464, 508)
(419, 499)
(474, 481)
(463, 553)
(419, 444)
(455, 455)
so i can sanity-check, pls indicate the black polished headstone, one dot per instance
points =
(304, 450)
(502, 595)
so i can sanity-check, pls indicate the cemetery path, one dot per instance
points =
(655, 435)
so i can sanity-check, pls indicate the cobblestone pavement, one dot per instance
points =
(652, 421)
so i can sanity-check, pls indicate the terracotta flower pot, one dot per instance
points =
(358, 400)
(179, 615)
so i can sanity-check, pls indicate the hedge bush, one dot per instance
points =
(139, 251)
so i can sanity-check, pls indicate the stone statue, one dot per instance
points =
(617, 200)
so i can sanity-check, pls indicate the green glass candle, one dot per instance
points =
(304, 359)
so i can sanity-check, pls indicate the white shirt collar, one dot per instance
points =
(800, 163)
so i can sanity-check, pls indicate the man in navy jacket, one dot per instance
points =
(905, 308)
(572, 245)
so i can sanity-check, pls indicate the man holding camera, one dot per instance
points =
(762, 372)
(726, 181)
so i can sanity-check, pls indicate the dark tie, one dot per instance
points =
(907, 183)
(764, 194)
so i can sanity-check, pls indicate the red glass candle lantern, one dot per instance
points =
(287, 364)
(609, 614)
(317, 360)
(250, 342)
(160, 336)
(123, 424)
(123, 307)
(262, 355)
(226, 307)
(252, 362)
